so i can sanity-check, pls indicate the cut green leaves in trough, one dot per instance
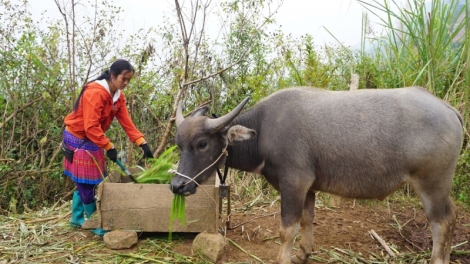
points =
(158, 171)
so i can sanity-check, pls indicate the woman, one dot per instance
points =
(99, 102)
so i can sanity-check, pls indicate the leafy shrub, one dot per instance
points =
(461, 188)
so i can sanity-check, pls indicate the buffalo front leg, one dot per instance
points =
(291, 213)
(306, 230)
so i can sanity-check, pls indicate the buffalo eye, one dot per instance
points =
(202, 144)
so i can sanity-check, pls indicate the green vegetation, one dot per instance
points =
(178, 211)
(158, 171)
(43, 69)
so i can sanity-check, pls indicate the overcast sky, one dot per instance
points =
(299, 17)
(342, 18)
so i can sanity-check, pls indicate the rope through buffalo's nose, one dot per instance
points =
(182, 175)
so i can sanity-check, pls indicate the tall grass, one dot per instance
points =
(427, 44)
(250, 189)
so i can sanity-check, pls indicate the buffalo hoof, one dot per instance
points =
(297, 260)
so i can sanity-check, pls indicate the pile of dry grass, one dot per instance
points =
(45, 236)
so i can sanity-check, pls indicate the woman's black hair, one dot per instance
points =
(116, 68)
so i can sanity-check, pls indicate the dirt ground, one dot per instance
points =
(342, 234)
(401, 224)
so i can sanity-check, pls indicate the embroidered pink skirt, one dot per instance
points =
(88, 164)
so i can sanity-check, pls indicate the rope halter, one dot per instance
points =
(224, 152)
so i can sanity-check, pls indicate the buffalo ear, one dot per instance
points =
(240, 133)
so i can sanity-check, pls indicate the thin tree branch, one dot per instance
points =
(17, 111)
(218, 72)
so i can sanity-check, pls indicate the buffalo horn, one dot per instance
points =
(179, 114)
(215, 125)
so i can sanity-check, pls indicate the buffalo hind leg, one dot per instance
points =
(441, 213)
(306, 230)
(442, 222)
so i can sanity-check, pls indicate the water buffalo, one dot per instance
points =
(357, 144)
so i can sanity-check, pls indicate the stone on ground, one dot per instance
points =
(119, 239)
(212, 246)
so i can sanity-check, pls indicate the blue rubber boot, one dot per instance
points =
(78, 218)
(89, 210)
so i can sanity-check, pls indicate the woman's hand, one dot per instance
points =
(147, 152)
(112, 154)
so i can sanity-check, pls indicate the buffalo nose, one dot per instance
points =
(176, 185)
(175, 188)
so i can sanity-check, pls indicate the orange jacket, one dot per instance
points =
(95, 113)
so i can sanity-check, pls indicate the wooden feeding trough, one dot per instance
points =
(123, 205)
